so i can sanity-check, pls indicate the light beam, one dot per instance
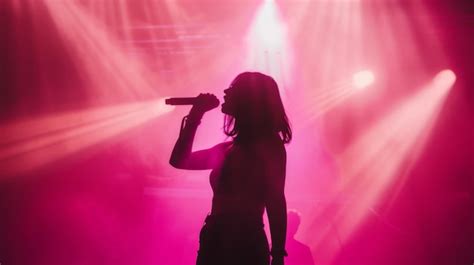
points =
(28, 145)
(371, 163)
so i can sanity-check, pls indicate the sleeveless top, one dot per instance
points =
(239, 181)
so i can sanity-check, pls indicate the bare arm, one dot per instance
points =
(276, 203)
(182, 156)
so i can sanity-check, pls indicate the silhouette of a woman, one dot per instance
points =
(248, 173)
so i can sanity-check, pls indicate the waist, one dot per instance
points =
(237, 206)
(251, 221)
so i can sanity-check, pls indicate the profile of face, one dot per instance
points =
(230, 101)
(249, 92)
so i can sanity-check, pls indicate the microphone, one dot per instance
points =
(180, 101)
(206, 101)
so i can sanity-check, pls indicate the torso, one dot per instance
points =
(238, 182)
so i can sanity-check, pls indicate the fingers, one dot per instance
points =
(206, 102)
(206, 95)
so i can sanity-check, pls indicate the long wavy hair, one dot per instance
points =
(258, 109)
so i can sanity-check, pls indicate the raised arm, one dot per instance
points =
(182, 156)
(275, 167)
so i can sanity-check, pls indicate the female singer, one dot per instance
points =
(248, 172)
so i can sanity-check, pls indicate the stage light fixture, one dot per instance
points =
(444, 79)
(363, 79)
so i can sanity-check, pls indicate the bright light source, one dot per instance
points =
(268, 49)
(268, 29)
(363, 79)
(444, 79)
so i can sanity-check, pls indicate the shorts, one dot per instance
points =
(233, 240)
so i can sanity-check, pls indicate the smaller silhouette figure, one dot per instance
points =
(298, 253)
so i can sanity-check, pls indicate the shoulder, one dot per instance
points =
(222, 147)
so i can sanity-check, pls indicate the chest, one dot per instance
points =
(241, 170)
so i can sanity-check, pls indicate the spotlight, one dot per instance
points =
(444, 79)
(362, 79)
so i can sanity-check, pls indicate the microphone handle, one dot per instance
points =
(180, 101)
